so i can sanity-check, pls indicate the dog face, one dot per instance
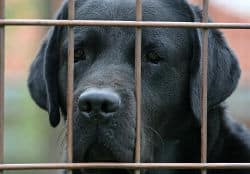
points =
(104, 110)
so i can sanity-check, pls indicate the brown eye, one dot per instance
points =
(79, 55)
(153, 57)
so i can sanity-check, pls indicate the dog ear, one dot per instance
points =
(43, 76)
(223, 68)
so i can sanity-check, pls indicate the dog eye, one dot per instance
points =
(153, 57)
(79, 55)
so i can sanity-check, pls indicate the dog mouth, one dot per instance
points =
(99, 153)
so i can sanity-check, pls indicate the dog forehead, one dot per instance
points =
(153, 10)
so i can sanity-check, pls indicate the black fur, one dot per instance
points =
(171, 66)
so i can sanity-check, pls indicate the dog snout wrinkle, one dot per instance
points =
(98, 103)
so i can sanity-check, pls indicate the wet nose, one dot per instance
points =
(101, 103)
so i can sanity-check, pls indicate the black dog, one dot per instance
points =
(104, 94)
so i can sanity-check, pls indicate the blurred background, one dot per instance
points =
(28, 135)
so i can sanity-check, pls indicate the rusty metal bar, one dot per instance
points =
(186, 166)
(2, 69)
(41, 22)
(70, 85)
(204, 65)
(138, 41)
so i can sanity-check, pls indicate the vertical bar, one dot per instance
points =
(70, 85)
(204, 86)
(2, 68)
(138, 40)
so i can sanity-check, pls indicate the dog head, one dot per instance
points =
(104, 95)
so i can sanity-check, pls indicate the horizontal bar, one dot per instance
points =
(54, 166)
(43, 22)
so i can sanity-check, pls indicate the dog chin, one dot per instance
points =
(98, 152)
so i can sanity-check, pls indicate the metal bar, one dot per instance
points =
(2, 69)
(70, 75)
(41, 22)
(138, 41)
(186, 166)
(204, 65)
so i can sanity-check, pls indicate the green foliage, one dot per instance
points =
(27, 8)
(27, 129)
(28, 137)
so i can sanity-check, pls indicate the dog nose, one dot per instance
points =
(98, 103)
